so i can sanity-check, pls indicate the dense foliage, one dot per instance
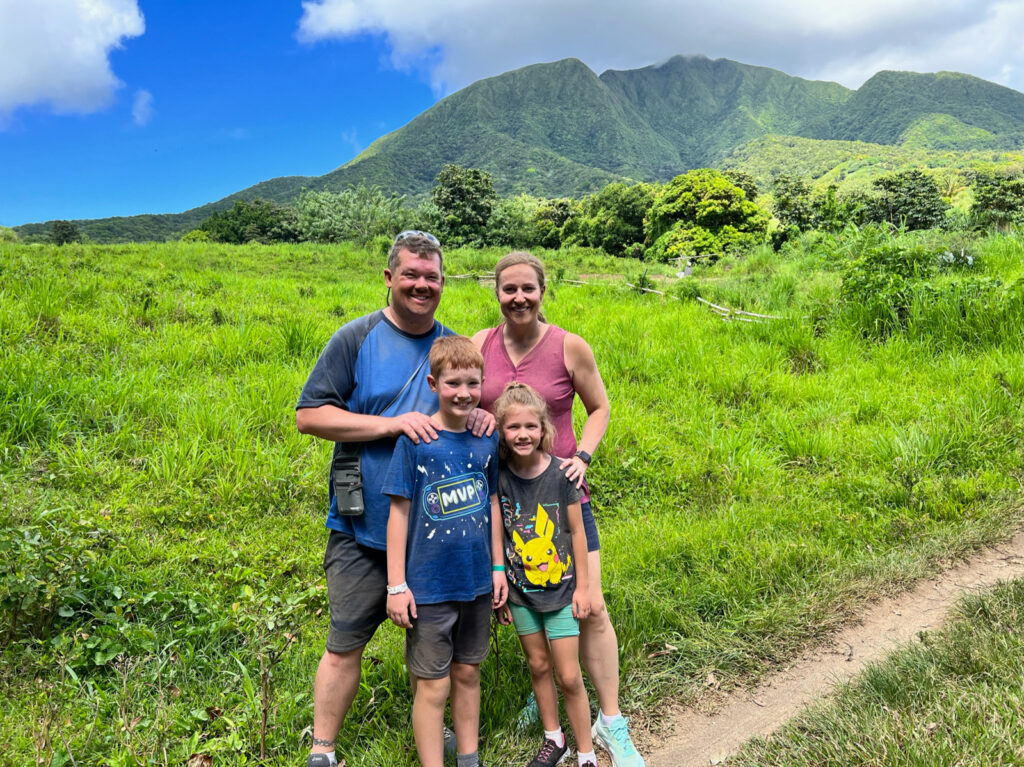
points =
(613, 219)
(63, 232)
(464, 199)
(357, 214)
(999, 199)
(910, 198)
(258, 220)
(702, 213)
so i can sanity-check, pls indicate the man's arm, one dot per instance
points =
(339, 425)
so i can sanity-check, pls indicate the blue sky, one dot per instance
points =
(119, 107)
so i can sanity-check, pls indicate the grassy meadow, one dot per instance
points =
(160, 563)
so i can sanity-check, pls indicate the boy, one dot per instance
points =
(444, 554)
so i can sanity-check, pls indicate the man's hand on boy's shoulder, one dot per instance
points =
(415, 426)
(402, 609)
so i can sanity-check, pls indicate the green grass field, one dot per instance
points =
(160, 590)
(955, 697)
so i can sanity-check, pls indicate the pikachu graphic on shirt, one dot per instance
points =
(540, 558)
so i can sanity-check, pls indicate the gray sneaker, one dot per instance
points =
(319, 760)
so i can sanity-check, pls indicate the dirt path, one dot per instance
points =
(698, 740)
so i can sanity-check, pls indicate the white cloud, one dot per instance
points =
(455, 42)
(57, 52)
(351, 139)
(142, 107)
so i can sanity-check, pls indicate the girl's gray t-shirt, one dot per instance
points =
(538, 546)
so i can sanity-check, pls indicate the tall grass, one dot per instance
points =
(757, 482)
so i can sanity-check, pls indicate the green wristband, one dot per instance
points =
(498, 568)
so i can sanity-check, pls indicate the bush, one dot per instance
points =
(701, 213)
(464, 198)
(998, 200)
(910, 199)
(358, 214)
(196, 235)
(258, 220)
(877, 286)
(613, 219)
(64, 232)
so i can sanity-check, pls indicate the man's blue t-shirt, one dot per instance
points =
(364, 366)
(449, 483)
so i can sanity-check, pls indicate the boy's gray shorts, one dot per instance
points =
(447, 632)
(357, 579)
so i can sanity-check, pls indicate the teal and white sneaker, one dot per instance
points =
(614, 738)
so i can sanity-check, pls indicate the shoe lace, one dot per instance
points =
(620, 732)
(547, 750)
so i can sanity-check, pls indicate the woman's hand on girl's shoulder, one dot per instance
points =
(574, 469)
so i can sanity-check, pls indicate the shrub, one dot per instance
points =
(358, 214)
(877, 286)
(258, 220)
(911, 199)
(702, 212)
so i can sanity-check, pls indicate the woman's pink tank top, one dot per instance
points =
(544, 369)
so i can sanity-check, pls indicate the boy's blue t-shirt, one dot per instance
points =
(449, 483)
(364, 366)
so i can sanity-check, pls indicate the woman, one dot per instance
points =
(561, 366)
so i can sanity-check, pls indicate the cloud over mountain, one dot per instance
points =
(58, 52)
(455, 42)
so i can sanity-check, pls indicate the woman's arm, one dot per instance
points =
(586, 379)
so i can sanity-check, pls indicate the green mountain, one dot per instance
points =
(560, 130)
(706, 108)
(889, 104)
(853, 165)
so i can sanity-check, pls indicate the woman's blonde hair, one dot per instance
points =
(518, 394)
(515, 258)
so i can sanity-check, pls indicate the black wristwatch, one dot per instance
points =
(584, 456)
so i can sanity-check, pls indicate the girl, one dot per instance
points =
(546, 551)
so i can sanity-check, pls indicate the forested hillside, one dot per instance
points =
(557, 129)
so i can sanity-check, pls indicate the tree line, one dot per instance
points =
(701, 212)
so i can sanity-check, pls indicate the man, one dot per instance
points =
(368, 388)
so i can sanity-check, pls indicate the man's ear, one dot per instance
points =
(432, 382)
(387, 277)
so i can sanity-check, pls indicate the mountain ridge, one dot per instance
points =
(558, 129)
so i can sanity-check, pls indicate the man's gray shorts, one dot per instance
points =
(357, 579)
(445, 632)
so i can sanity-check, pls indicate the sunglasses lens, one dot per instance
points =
(413, 232)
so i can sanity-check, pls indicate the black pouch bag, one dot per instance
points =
(348, 482)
